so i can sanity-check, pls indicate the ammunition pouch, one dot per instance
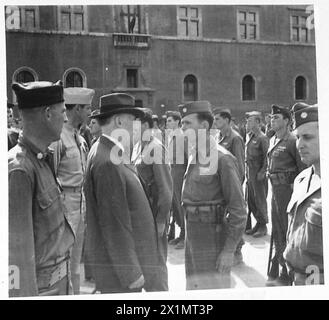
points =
(212, 214)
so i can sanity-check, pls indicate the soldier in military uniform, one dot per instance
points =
(213, 199)
(150, 158)
(304, 250)
(70, 162)
(256, 167)
(231, 140)
(40, 237)
(284, 164)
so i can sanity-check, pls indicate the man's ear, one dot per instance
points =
(47, 113)
(118, 121)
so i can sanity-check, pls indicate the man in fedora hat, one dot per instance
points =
(70, 156)
(40, 237)
(284, 164)
(121, 232)
(214, 204)
(304, 250)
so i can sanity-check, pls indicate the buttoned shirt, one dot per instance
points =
(70, 157)
(283, 155)
(203, 185)
(38, 230)
(233, 142)
(256, 151)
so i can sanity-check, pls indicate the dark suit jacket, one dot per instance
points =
(121, 234)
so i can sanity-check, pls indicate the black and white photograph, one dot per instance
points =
(163, 148)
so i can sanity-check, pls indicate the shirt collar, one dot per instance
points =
(33, 148)
(115, 141)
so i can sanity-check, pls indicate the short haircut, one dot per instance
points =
(225, 115)
(71, 106)
(175, 115)
(206, 116)
(104, 121)
(147, 117)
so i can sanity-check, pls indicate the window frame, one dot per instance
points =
(75, 69)
(306, 88)
(16, 72)
(189, 20)
(197, 91)
(255, 88)
(72, 11)
(247, 23)
(299, 27)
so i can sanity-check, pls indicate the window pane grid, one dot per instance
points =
(248, 25)
(189, 22)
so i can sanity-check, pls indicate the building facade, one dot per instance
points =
(239, 57)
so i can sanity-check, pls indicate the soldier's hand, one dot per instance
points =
(139, 283)
(261, 176)
(161, 228)
(224, 262)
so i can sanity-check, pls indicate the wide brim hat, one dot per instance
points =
(116, 103)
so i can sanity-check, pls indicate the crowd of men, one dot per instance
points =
(95, 184)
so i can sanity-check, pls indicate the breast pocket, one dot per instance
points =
(72, 152)
(46, 199)
(312, 237)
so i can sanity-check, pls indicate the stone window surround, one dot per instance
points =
(247, 10)
(80, 71)
(199, 19)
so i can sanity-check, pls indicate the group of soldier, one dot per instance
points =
(108, 196)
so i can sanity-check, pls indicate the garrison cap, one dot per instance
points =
(77, 95)
(303, 113)
(256, 114)
(155, 117)
(116, 103)
(194, 107)
(173, 114)
(281, 110)
(38, 93)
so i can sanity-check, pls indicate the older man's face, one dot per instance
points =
(308, 142)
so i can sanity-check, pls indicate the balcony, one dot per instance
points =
(131, 40)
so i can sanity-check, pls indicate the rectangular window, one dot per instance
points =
(298, 30)
(248, 24)
(131, 16)
(30, 19)
(189, 22)
(132, 78)
(72, 18)
(27, 17)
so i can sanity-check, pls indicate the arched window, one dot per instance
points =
(23, 74)
(74, 77)
(248, 88)
(300, 88)
(190, 88)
